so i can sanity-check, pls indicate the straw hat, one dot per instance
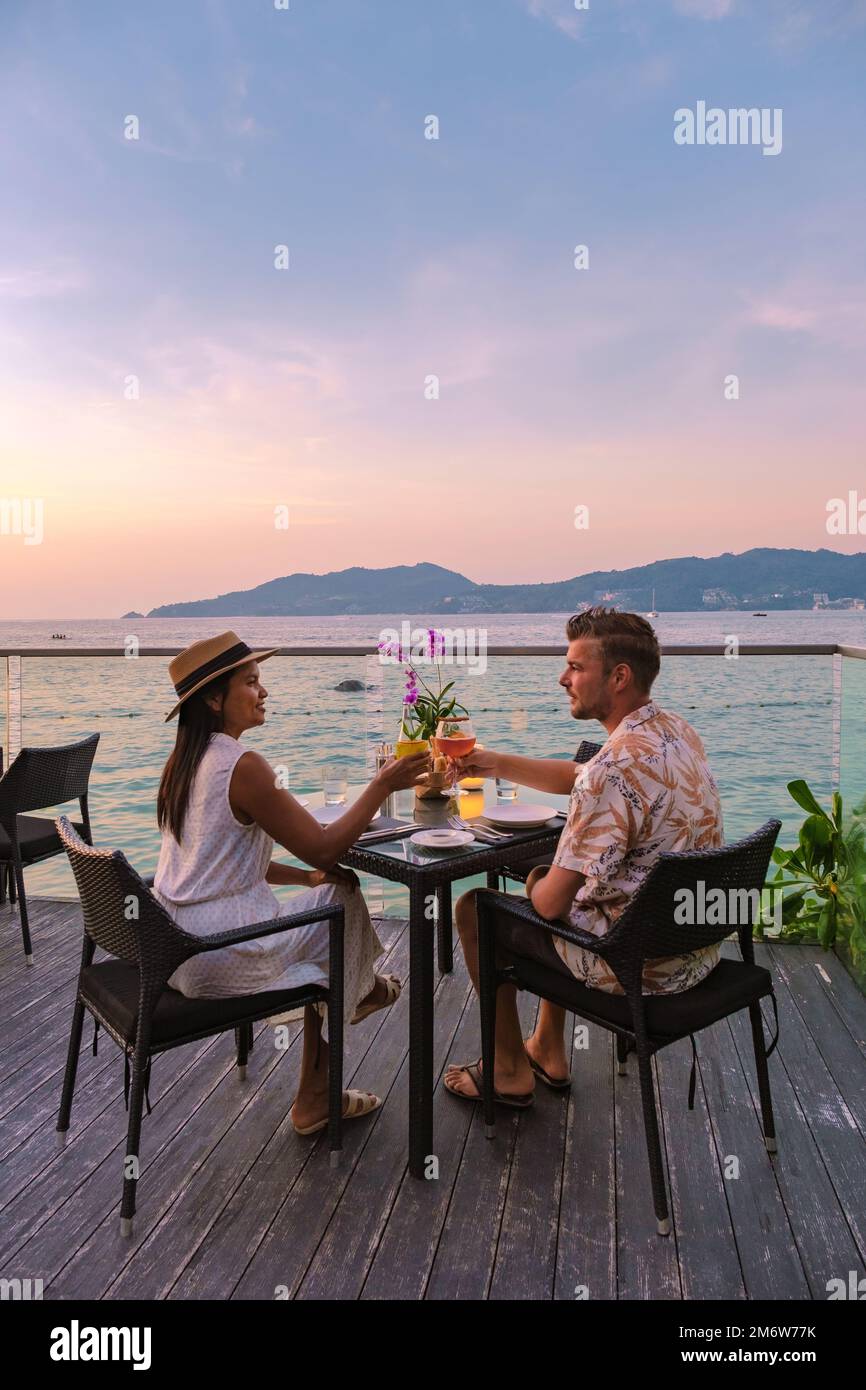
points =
(204, 661)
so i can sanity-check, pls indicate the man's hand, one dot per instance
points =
(348, 877)
(533, 876)
(553, 891)
(481, 762)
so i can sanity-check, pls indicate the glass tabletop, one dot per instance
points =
(429, 813)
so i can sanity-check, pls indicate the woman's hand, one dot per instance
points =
(348, 877)
(399, 773)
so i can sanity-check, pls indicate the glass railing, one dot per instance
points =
(851, 941)
(125, 701)
(765, 719)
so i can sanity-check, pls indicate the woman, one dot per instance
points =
(220, 808)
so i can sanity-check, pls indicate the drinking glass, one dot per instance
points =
(335, 785)
(506, 790)
(454, 738)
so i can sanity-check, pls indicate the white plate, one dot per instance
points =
(519, 815)
(442, 839)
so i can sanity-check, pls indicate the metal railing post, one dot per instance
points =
(837, 722)
(375, 710)
(13, 708)
(375, 705)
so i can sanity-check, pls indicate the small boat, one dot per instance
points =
(652, 613)
(759, 615)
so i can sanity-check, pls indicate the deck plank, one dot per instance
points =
(838, 1048)
(769, 1258)
(339, 1267)
(297, 1227)
(414, 1224)
(234, 1204)
(706, 1250)
(586, 1249)
(526, 1253)
(161, 1258)
(59, 1211)
(834, 1128)
(647, 1264)
(817, 1220)
(465, 1257)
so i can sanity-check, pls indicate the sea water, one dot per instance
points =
(764, 720)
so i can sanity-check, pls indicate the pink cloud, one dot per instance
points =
(770, 314)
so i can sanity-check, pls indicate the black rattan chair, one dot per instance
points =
(646, 930)
(128, 994)
(522, 868)
(37, 778)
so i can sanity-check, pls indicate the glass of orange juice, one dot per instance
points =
(409, 742)
(405, 747)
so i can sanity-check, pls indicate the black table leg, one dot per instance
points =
(493, 880)
(420, 1034)
(444, 936)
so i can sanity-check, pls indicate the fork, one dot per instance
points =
(487, 830)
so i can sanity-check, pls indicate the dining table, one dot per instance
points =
(428, 874)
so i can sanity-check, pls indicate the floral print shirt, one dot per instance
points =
(648, 791)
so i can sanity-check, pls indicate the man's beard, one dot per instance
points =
(599, 711)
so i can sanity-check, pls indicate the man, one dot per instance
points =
(648, 791)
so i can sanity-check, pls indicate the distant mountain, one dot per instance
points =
(761, 578)
(402, 587)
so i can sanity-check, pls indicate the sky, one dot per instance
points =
(431, 377)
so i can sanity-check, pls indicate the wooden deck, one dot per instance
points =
(232, 1204)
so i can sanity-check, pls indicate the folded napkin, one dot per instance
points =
(391, 830)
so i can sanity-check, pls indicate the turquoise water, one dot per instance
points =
(764, 720)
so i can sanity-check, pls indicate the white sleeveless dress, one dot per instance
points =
(214, 880)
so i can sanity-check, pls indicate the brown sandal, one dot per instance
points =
(474, 1071)
(554, 1082)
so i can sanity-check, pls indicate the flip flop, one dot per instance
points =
(360, 1103)
(474, 1070)
(392, 994)
(553, 1082)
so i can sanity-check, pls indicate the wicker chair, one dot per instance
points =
(40, 777)
(521, 868)
(646, 930)
(129, 997)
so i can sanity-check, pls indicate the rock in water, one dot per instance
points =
(350, 685)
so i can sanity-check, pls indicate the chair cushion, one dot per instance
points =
(730, 987)
(36, 837)
(111, 987)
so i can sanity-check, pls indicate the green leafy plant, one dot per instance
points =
(852, 914)
(422, 709)
(826, 876)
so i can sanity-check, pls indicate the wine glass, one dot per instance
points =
(455, 738)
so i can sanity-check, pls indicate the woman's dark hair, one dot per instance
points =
(625, 638)
(196, 722)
